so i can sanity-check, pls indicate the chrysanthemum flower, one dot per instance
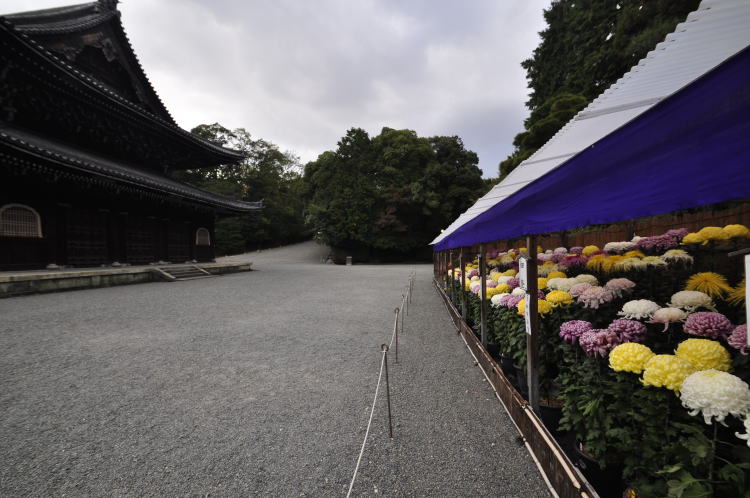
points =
(630, 357)
(628, 264)
(638, 309)
(595, 296)
(575, 250)
(667, 316)
(715, 395)
(708, 324)
(518, 292)
(541, 283)
(677, 255)
(559, 297)
(618, 247)
(746, 435)
(543, 306)
(589, 250)
(713, 284)
(585, 277)
(560, 283)
(735, 231)
(691, 300)
(654, 261)
(596, 263)
(705, 354)
(557, 274)
(736, 296)
(510, 273)
(497, 298)
(634, 254)
(570, 331)
(598, 342)
(628, 330)
(573, 260)
(712, 233)
(666, 370)
(738, 339)
(619, 286)
(579, 288)
(560, 250)
(610, 263)
(692, 238)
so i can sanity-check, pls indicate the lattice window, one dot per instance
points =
(202, 237)
(18, 220)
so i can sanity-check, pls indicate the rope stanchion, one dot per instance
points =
(384, 349)
(369, 424)
(395, 335)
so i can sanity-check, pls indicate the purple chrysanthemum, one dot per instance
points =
(708, 324)
(572, 260)
(472, 273)
(628, 330)
(576, 250)
(738, 339)
(544, 257)
(572, 330)
(491, 284)
(599, 342)
(512, 301)
(619, 286)
(512, 283)
(668, 240)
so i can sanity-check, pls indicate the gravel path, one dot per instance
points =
(251, 384)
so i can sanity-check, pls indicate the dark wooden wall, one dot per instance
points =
(85, 228)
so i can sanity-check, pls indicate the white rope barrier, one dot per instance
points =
(369, 424)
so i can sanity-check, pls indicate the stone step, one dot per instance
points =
(185, 272)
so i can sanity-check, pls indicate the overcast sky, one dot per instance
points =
(300, 73)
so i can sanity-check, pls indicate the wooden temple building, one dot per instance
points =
(87, 150)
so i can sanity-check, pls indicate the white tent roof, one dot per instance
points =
(714, 32)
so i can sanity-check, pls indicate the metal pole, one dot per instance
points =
(403, 302)
(532, 338)
(464, 296)
(395, 331)
(384, 349)
(483, 296)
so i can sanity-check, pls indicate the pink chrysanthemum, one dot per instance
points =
(628, 330)
(619, 286)
(599, 342)
(738, 339)
(594, 297)
(572, 330)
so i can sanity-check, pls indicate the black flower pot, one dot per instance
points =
(521, 384)
(607, 481)
(551, 416)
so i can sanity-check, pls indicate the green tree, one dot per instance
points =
(586, 46)
(388, 196)
(266, 174)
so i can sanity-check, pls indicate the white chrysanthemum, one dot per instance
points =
(619, 247)
(628, 264)
(586, 278)
(545, 270)
(691, 300)
(518, 292)
(675, 255)
(563, 284)
(496, 298)
(654, 261)
(503, 280)
(561, 250)
(638, 309)
(668, 315)
(715, 394)
(507, 259)
(475, 279)
(475, 286)
(635, 238)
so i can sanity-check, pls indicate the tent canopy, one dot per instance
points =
(691, 149)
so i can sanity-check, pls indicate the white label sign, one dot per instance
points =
(527, 315)
(523, 271)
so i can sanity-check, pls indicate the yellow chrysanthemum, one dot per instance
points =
(556, 274)
(666, 370)
(491, 291)
(634, 254)
(734, 231)
(596, 263)
(630, 357)
(736, 296)
(510, 273)
(692, 238)
(713, 284)
(541, 282)
(705, 354)
(712, 233)
(467, 283)
(559, 297)
(501, 288)
(548, 263)
(543, 306)
(495, 276)
(589, 250)
(609, 263)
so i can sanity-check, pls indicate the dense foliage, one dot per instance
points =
(587, 46)
(266, 174)
(385, 197)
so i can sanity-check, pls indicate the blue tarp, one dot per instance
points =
(692, 149)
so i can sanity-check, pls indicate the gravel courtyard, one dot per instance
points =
(250, 384)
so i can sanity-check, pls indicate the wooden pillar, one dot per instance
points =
(532, 330)
(483, 295)
(462, 291)
(452, 277)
